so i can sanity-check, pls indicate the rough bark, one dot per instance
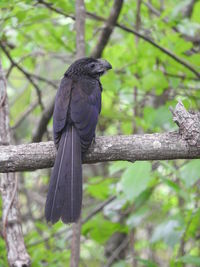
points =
(12, 230)
(158, 146)
(189, 124)
(80, 29)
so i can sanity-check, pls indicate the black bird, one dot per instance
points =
(76, 111)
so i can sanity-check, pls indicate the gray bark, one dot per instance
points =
(12, 230)
(184, 144)
(165, 146)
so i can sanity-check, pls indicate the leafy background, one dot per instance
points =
(152, 217)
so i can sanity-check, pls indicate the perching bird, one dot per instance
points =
(76, 111)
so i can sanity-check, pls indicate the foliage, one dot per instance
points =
(157, 201)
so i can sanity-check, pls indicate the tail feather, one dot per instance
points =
(64, 197)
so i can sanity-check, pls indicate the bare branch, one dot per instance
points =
(164, 50)
(25, 114)
(140, 35)
(12, 230)
(107, 29)
(116, 252)
(186, 12)
(189, 124)
(42, 79)
(93, 213)
(26, 74)
(80, 29)
(75, 244)
(166, 146)
(43, 122)
(57, 10)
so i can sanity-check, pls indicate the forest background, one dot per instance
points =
(144, 213)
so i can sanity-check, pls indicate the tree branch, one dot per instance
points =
(24, 115)
(57, 10)
(43, 122)
(158, 146)
(140, 35)
(164, 146)
(26, 74)
(80, 29)
(107, 29)
(12, 230)
(162, 49)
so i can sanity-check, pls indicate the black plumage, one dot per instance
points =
(77, 106)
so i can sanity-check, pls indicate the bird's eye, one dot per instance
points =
(92, 65)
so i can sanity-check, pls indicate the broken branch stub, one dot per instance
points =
(188, 123)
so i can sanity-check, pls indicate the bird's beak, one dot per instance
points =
(105, 64)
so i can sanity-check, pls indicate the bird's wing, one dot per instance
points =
(61, 108)
(84, 109)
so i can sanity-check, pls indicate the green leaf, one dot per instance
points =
(99, 187)
(190, 259)
(160, 117)
(156, 80)
(195, 13)
(136, 218)
(120, 264)
(190, 172)
(136, 179)
(147, 262)
(167, 231)
(143, 198)
(100, 229)
(118, 166)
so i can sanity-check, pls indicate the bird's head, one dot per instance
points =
(88, 67)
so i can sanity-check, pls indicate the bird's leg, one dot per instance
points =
(94, 140)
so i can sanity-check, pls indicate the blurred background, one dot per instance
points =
(141, 214)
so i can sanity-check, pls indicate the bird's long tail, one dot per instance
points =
(64, 197)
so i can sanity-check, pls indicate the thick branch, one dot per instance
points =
(12, 230)
(80, 29)
(164, 146)
(108, 148)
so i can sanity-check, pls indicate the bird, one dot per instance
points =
(76, 111)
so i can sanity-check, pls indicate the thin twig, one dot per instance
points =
(26, 74)
(24, 115)
(127, 29)
(116, 252)
(57, 10)
(98, 209)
